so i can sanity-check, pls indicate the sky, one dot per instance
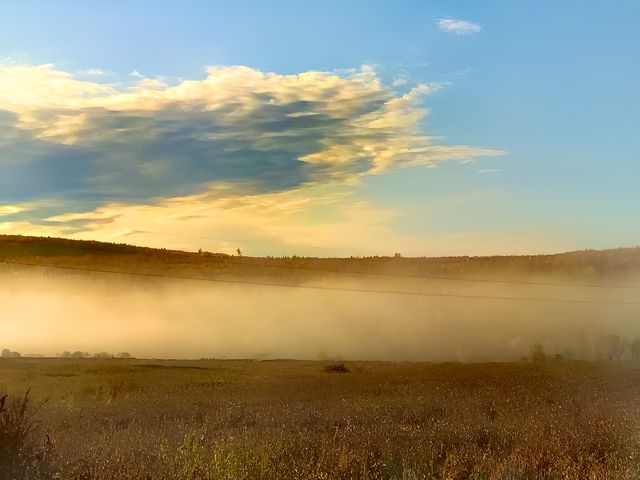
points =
(325, 129)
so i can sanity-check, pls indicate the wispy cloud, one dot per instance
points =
(458, 27)
(92, 72)
(399, 81)
(310, 220)
(10, 209)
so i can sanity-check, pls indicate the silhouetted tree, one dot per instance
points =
(612, 347)
(537, 353)
(9, 354)
(103, 355)
(635, 349)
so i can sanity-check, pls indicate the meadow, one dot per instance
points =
(234, 419)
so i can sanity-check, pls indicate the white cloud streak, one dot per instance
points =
(458, 27)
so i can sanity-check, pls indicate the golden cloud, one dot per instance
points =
(249, 153)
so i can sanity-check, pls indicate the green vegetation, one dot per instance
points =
(140, 419)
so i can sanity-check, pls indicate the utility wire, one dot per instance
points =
(419, 276)
(426, 276)
(320, 287)
(382, 274)
(433, 277)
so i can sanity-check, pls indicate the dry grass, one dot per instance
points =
(20, 456)
(128, 419)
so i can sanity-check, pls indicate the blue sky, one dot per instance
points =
(543, 94)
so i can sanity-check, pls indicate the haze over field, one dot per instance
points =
(193, 321)
(429, 129)
(51, 311)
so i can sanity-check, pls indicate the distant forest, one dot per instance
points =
(615, 265)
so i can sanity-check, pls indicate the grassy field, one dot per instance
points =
(143, 419)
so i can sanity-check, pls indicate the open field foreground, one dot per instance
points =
(143, 419)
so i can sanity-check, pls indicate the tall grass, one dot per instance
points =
(212, 420)
(20, 455)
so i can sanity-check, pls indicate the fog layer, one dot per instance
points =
(49, 315)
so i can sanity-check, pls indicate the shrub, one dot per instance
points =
(6, 353)
(20, 457)
(537, 353)
(336, 368)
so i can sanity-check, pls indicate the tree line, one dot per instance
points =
(612, 348)
(6, 353)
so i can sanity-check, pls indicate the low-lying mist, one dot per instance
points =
(152, 318)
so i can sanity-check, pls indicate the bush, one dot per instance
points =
(6, 353)
(336, 368)
(537, 353)
(20, 457)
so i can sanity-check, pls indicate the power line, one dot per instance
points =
(326, 288)
(434, 277)
(383, 274)
(426, 276)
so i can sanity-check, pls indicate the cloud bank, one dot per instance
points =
(73, 148)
